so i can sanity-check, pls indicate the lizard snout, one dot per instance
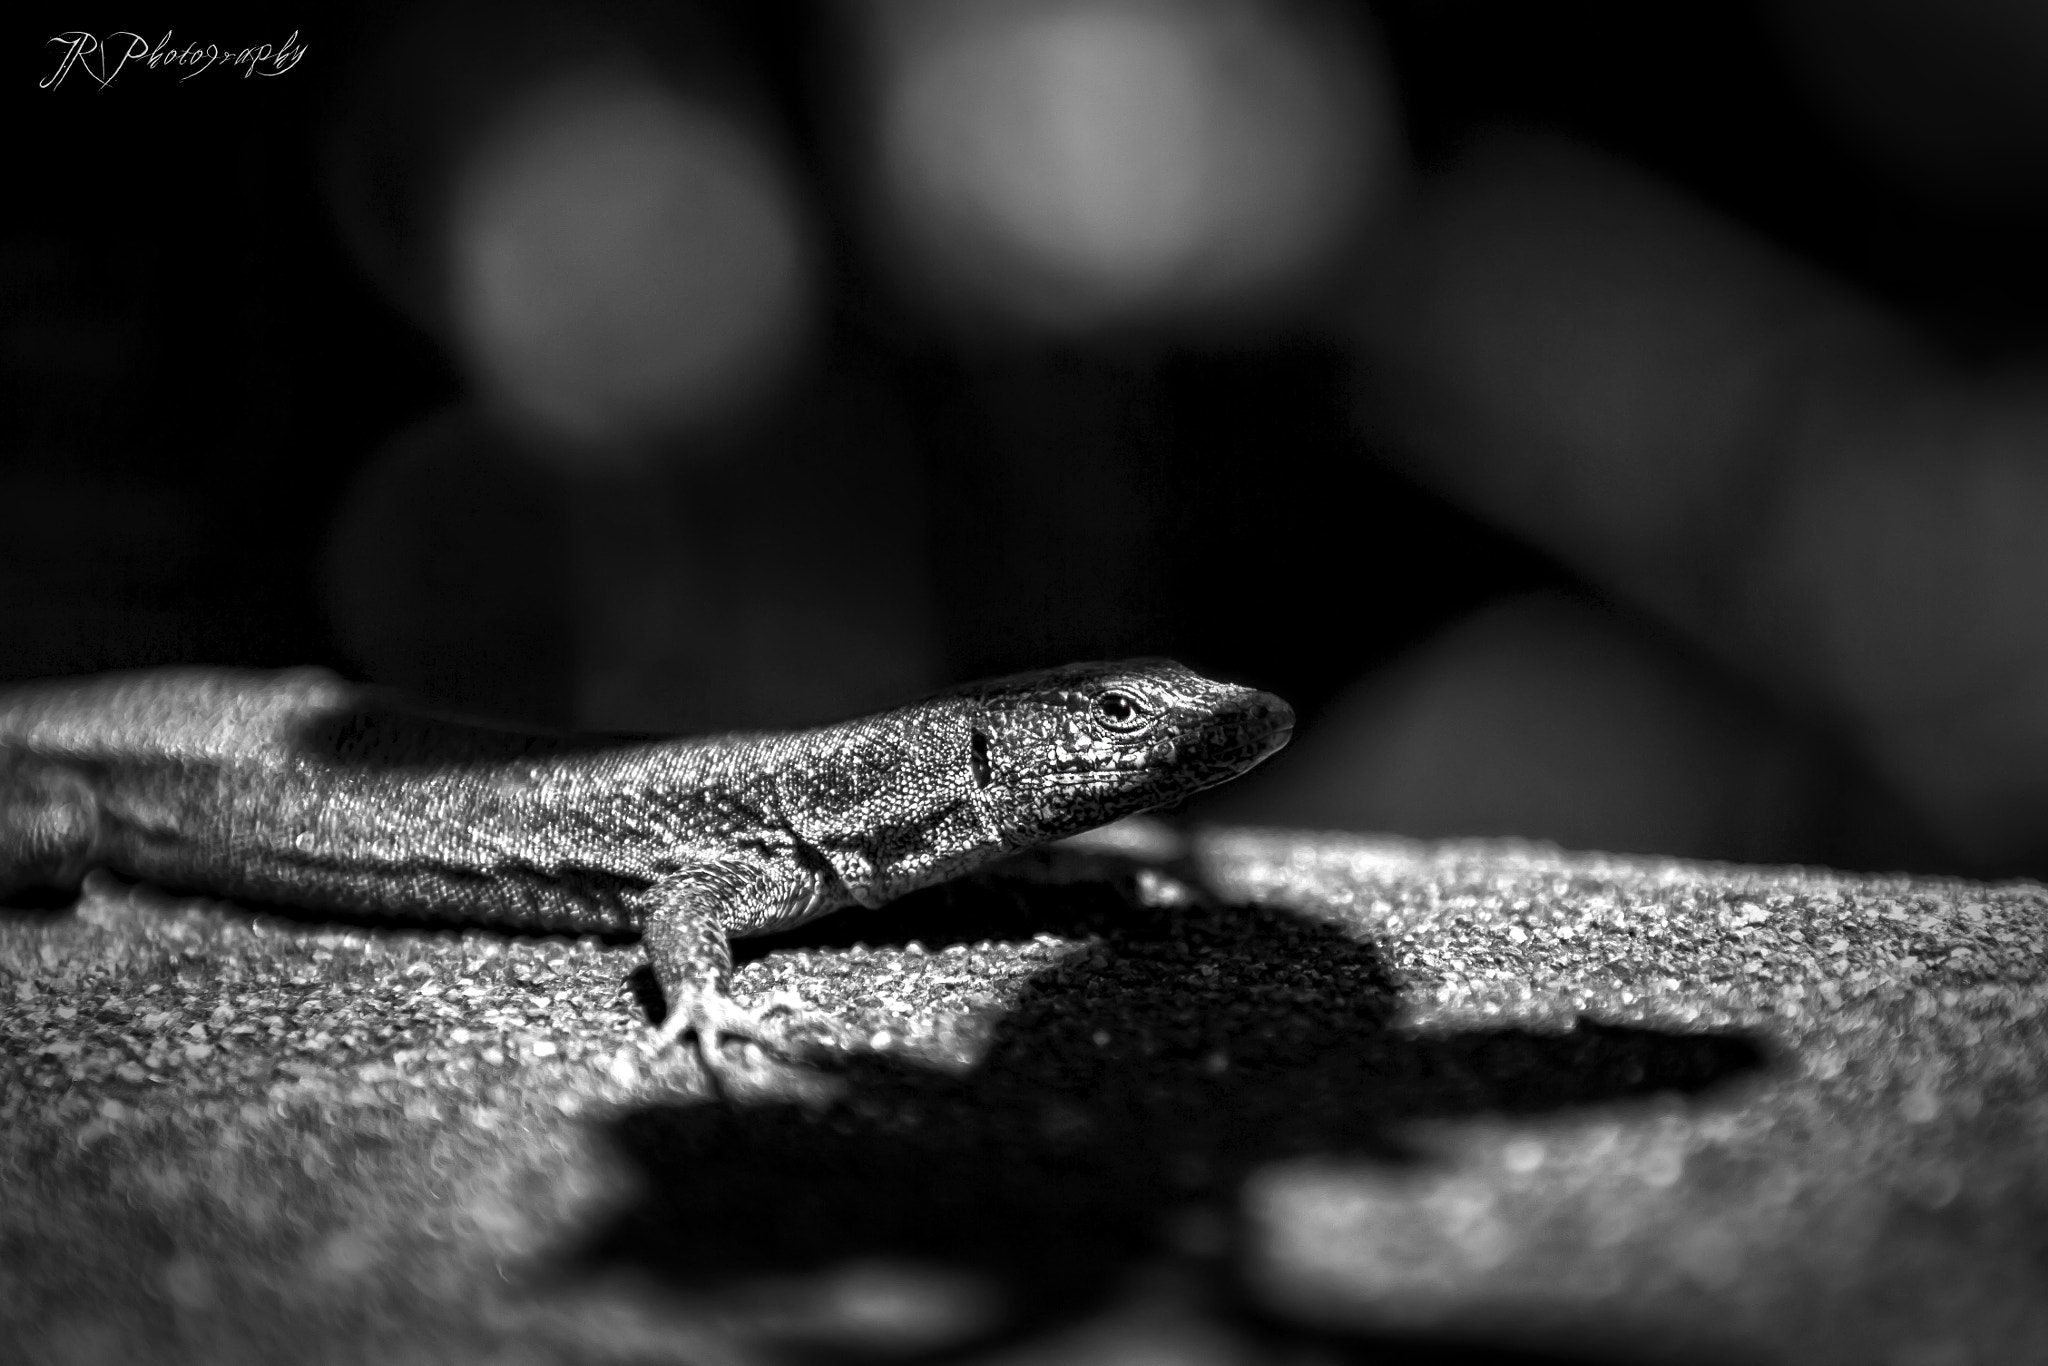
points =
(1269, 723)
(1246, 729)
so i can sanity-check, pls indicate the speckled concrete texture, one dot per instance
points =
(1290, 1097)
(1873, 1190)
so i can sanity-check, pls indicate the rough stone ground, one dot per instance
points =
(1299, 1098)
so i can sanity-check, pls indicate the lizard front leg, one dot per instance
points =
(683, 922)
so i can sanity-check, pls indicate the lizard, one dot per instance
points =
(298, 788)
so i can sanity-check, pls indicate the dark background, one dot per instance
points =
(192, 366)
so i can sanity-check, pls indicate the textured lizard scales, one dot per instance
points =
(301, 789)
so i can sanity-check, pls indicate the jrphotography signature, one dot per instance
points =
(104, 59)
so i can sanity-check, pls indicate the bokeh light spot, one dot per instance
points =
(448, 573)
(624, 264)
(1092, 163)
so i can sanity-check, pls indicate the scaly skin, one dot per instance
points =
(300, 789)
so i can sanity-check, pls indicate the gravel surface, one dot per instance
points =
(1290, 1098)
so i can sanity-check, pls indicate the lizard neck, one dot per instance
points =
(889, 801)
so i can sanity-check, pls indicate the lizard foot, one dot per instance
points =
(769, 1037)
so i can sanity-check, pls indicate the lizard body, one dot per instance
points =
(304, 790)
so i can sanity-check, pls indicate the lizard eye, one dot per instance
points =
(1121, 711)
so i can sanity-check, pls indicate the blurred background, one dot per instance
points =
(1610, 423)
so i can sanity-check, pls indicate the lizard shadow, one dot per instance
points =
(1106, 1132)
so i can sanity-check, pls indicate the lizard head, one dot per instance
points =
(1064, 750)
